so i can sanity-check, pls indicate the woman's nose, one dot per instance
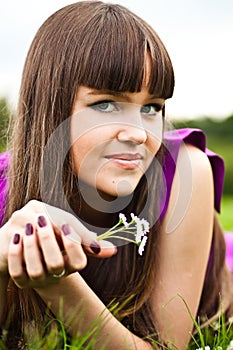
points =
(132, 132)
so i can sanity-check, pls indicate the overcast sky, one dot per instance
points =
(197, 33)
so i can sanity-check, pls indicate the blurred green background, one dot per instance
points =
(5, 115)
(219, 139)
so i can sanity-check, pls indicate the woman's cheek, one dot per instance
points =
(153, 144)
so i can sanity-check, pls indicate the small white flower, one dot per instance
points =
(137, 227)
(138, 237)
(230, 346)
(206, 348)
(145, 225)
(216, 325)
(123, 220)
(135, 219)
(142, 227)
(142, 245)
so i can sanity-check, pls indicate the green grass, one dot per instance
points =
(226, 216)
(215, 336)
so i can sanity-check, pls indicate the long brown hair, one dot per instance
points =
(101, 46)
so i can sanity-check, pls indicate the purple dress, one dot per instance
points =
(173, 141)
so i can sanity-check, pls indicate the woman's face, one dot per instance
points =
(115, 137)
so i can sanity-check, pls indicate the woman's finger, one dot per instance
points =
(32, 255)
(15, 261)
(50, 249)
(75, 257)
(89, 242)
(101, 249)
(58, 217)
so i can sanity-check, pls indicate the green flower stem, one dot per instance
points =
(112, 228)
(111, 233)
(123, 238)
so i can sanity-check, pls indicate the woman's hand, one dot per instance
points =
(41, 243)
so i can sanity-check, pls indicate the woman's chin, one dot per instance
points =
(121, 189)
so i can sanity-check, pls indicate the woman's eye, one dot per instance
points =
(152, 109)
(105, 106)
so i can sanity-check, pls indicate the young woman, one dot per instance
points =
(88, 144)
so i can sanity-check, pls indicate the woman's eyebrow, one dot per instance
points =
(109, 92)
(116, 93)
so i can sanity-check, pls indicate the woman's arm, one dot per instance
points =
(35, 256)
(76, 295)
(184, 247)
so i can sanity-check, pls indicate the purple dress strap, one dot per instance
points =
(196, 137)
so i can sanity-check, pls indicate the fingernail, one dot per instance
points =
(66, 229)
(41, 221)
(29, 229)
(95, 247)
(16, 238)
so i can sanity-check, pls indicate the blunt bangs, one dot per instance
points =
(95, 44)
(112, 53)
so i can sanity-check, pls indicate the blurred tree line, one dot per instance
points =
(219, 137)
(5, 114)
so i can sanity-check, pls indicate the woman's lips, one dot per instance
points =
(125, 160)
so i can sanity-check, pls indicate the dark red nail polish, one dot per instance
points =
(95, 247)
(16, 238)
(41, 221)
(29, 229)
(66, 229)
